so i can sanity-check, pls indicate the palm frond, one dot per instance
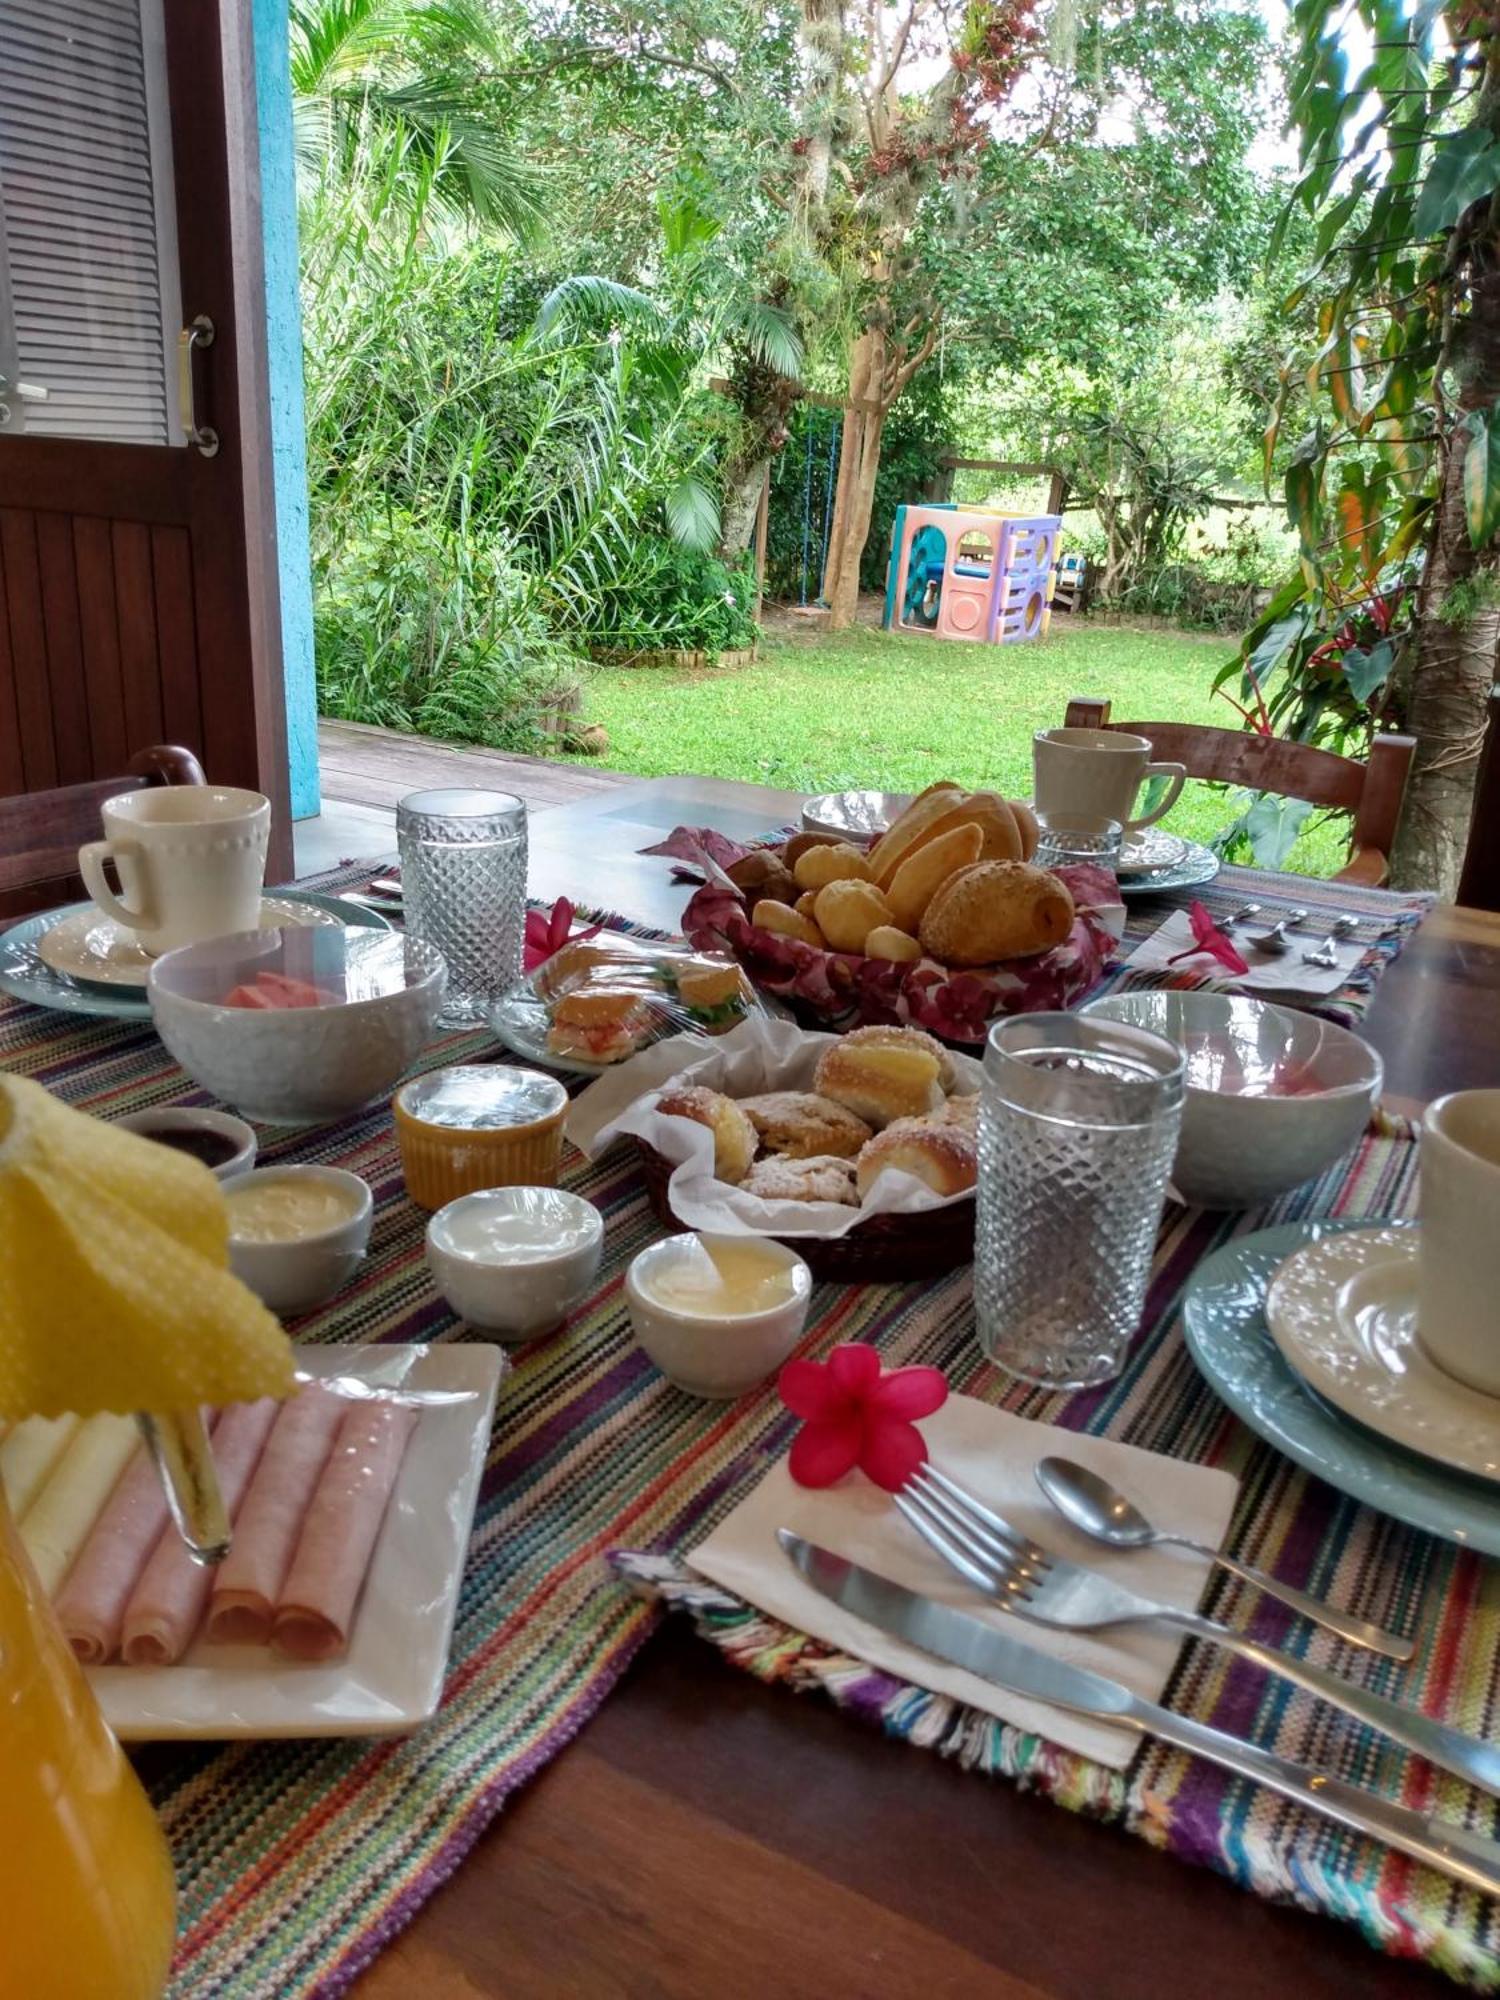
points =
(770, 335)
(585, 304)
(685, 224)
(692, 512)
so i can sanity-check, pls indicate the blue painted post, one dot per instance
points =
(273, 90)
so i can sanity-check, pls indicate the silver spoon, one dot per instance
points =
(1325, 955)
(1275, 941)
(1094, 1507)
(1241, 916)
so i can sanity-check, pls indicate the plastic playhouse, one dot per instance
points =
(962, 573)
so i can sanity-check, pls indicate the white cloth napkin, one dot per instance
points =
(993, 1455)
(1287, 974)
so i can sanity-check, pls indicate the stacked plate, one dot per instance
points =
(1309, 1333)
(1153, 861)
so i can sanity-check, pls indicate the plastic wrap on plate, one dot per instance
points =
(604, 998)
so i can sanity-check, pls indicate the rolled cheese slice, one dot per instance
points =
(248, 1582)
(316, 1606)
(28, 1454)
(167, 1602)
(58, 1520)
(90, 1607)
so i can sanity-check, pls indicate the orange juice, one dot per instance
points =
(88, 1899)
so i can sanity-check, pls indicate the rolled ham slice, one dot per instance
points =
(90, 1607)
(53, 1528)
(167, 1602)
(316, 1606)
(28, 1453)
(248, 1582)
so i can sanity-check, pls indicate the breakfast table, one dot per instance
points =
(705, 1832)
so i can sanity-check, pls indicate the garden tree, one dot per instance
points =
(1395, 487)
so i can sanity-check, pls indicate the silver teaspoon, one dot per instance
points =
(1098, 1510)
(1325, 955)
(1275, 941)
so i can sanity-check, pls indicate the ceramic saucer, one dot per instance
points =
(91, 946)
(1343, 1313)
(1150, 849)
(858, 817)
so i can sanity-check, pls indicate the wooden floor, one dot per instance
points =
(362, 766)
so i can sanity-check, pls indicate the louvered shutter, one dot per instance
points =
(88, 260)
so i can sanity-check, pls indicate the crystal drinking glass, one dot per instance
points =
(463, 878)
(1078, 1121)
(1065, 837)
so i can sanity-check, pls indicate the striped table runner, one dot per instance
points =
(298, 1861)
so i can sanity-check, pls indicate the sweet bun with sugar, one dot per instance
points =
(996, 910)
(943, 1157)
(735, 1139)
(800, 1125)
(882, 1074)
(847, 912)
(820, 1179)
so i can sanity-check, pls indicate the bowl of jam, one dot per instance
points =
(222, 1143)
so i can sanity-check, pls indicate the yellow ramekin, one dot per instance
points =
(478, 1125)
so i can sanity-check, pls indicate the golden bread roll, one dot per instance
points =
(786, 922)
(1026, 826)
(1000, 836)
(822, 1179)
(937, 785)
(892, 1034)
(924, 871)
(799, 843)
(847, 912)
(734, 1136)
(885, 941)
(763, 874)
(893, 846)
(944, 1157)
(800, 1125)
(821, 865)
(996, 910)
(883, 1080)
(804, 903)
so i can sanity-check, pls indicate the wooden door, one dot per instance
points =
(137, 531)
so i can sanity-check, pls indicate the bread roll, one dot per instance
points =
(885, 941)
(893, 846)
(924, 871)
(1000, 836)
(804, 904)
(786, 922)
(799, 843)
(734, 1136)
(1026, 826)
(944, 1157)
(883, 1080)
(839, 863)
(763, 874)
(824, 1179)
(996, 910)
(893, 1034)
(800, 1125)
(962, 1111)
(847, 912)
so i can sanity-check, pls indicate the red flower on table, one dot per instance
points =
(855, 1413)
(1207, 937)
(547, 934)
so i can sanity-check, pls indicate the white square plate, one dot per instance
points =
(391, 1677)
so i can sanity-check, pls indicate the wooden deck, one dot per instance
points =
(362, 766)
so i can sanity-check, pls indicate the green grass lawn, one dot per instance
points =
(883, 709)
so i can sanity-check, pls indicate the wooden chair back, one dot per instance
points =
(1372, 792)
(41, 832)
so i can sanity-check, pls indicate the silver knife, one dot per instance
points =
(977, 1648)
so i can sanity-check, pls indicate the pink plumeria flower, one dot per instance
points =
(1207, 937)
(546, 935)
(857, 1414)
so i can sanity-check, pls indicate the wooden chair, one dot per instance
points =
(41, 832)
(1372, 792)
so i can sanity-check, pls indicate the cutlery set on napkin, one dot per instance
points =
(963, 1581)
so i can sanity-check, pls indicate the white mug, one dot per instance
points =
(191, 861)
(1458, 1262)
(1098, 771)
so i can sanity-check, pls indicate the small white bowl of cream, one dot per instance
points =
(296, 1234)
(515, 1261)
(718, 1314)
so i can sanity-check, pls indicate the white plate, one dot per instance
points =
(391, 1677)
(1198, 865)
(1149, 850)
(89, 945)
(1343, 1313)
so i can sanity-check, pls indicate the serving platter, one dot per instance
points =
(391, 1676)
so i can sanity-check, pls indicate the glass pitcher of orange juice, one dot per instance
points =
(89, 1904)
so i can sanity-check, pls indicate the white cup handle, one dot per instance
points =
(91, 859)
(1178, 777)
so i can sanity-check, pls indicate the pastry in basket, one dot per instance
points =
(602, 1024)
(996, 910)
(882, 1074)
(800, 1125)
(735, 1138)
(847, 911)
(820, 1179)
(816, 867)
(714, 992)
(963, 1111)
(885, 941)
(763, 872)
(770, 916)
(942, 1156)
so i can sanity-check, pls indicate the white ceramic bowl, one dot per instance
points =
(515, 1261)
(1241, 1144)
(294, 1274)
(719, 1357)
(299, 1065)
(178, 1126)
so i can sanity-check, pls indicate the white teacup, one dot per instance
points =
(191, 861)
(1098, 772)
(1458, 1270)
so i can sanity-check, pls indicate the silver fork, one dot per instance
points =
(1325, 955)
(1026, 1580)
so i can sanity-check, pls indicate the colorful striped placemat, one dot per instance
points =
(298, 1861)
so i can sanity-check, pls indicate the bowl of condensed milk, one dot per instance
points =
(718, 1314)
